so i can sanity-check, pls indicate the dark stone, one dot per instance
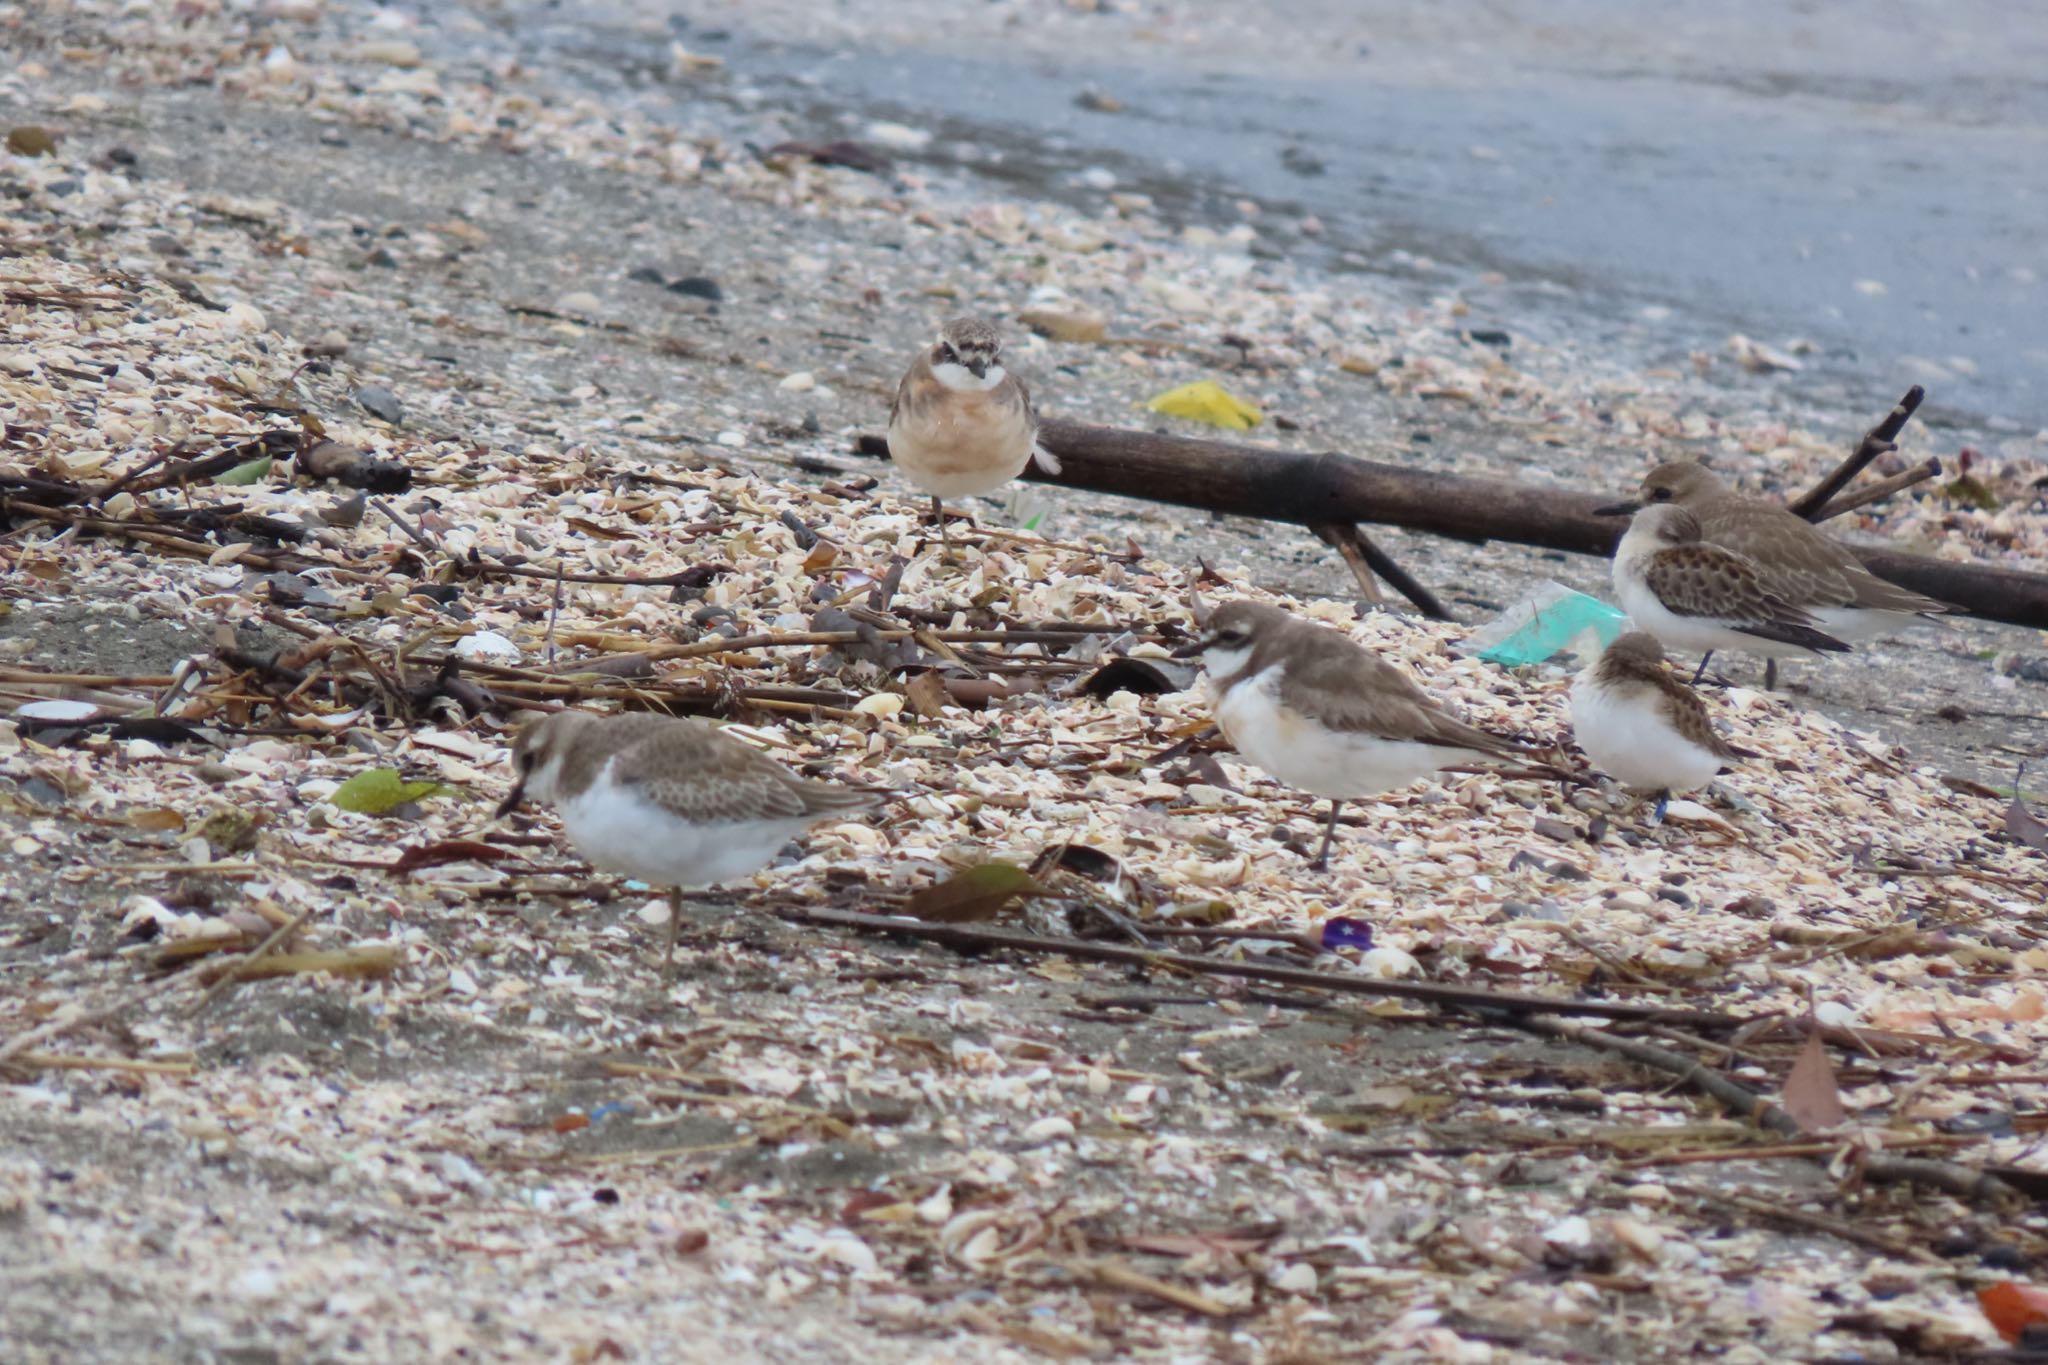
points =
(697, 287)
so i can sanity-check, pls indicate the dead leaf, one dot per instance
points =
(926, 693)
(156, 818)
(2024, 826)
(2013, 1307)
(976, 895)
(1811, 1096)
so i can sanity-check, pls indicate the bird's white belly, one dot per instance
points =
(1691, 633)
(1303, 753)
(620, 832)
(1629, 740)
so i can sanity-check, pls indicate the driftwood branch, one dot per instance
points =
(1462, 997)
(1881, 439)
(1367, 559)
(1309, 489)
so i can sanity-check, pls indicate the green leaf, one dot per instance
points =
(254, 471)
(978, 894)
(381, 790)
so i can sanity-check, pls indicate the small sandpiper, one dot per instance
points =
(1642, 726)
(1321, 712)
(1794, 559)
(1695, 595)
(961, 424)
(669, 801)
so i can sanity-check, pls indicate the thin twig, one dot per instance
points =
(240, 966)
(57, 1028)
(1879, 491)
(1343, 536)
(1879, 440)
(1469, 997)
(1836, 1227)
(1943, 1175)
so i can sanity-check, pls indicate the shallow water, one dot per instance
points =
(1870, 180)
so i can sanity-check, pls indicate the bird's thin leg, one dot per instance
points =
(1702, 670)
(675, 921)
(1770, 675)
(1663, 804)
(1329, 835)
(939, 515)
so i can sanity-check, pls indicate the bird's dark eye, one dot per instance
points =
(1660, 495)
(947, 355)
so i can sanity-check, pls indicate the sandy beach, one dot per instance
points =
(584, 289)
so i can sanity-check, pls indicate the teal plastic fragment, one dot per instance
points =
(1553, 625)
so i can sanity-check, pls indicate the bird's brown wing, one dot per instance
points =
(710, 778)
(1338, 683)
(1803, 565)
(1689, 716)
(1711, 582)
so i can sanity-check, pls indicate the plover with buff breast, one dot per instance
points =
(962, 424)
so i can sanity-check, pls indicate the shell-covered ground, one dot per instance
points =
(483, 1121)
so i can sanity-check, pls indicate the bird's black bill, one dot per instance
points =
(1190, 649)
(978, 368)
(1619, 509)
(511, 802)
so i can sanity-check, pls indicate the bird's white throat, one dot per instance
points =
(1222, 661)
(960, 379)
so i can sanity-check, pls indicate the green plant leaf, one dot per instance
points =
(380, 791)
(975, 895)
(252, 471)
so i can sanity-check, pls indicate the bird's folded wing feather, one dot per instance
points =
(1713, 583)
(1340, 684)
(1689, 716)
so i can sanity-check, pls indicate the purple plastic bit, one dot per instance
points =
(1345, 932)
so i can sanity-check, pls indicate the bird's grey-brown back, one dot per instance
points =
(1797, 560)
(681, 764)
(1634, 665)
(1331, 679)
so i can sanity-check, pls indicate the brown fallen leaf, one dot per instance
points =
(926, 693)
(976, 895)
(2024, 826)
(1811, 1096)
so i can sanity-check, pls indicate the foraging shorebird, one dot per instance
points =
(961, 424)
(670, 802)
(1642, 726)
(1321, 712)
(1794, 559)
(1694, 595)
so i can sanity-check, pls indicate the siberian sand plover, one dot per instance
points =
(1694, 595)
(961, 424)
(668, 801)
(1642, 726)
(1795, 560)
(1321, 712)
